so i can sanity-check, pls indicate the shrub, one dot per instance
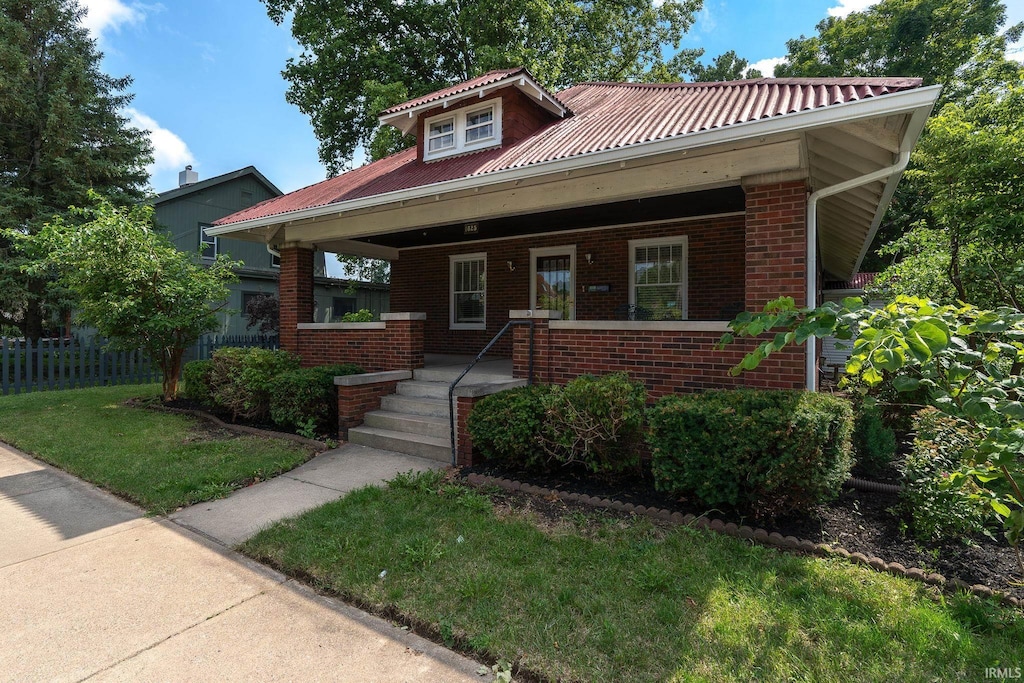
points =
(874, 444)
(506, 426)
(240, 379)
(935, 506)
(595, 422)
(361, 316)
(197, 381)
(301, 397)
(767, 451)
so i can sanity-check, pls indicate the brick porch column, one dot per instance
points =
(541, 345)
(776, 265)
(295, 292)
(405, 339)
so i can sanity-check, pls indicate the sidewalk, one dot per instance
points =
(91, 588)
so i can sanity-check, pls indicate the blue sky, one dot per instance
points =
(207, 79)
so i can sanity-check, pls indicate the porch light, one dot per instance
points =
(590, 259)
(511, 266)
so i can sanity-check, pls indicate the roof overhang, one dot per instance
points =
(824, 146)
(405, 119)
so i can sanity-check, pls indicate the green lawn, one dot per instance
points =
(594, 597)
(158, 460)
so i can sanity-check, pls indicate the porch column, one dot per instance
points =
(404, 339)
(295, 293)
(541, 345)
(776, 265)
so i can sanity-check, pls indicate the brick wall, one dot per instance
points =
(419, 278)
(399, 346)
(295, 294)
(354, 402)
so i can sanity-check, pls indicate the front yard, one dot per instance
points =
(157, 460)
(572, 594)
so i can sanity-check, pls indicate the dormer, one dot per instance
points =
(492, 110)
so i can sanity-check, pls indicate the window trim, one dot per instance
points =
(553, 251)
(454, 259)
(668, 240)
(460, 118)
(428, 137)
(203, 242)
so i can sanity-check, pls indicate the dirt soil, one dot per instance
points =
(869, 523)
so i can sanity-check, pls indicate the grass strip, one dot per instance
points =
(595, 597)
(157, 460)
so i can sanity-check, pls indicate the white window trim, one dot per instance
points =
(535, 252)
(670, 240)
(203, 242)
(454, 259)
(460, 117)
(427, 137)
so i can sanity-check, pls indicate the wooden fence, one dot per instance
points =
(55, 364)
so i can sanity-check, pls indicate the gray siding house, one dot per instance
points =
(187, 210)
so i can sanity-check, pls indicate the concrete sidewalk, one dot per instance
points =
(92, 589)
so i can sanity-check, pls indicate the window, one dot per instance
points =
(208, 245)
(275, 261)
(340, 305)
(463, 130)
(657, 278)
(552, 273)
(468, 286)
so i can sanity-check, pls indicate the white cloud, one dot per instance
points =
(767, 66)
(110, 14)
(846, 7)
(170, 153)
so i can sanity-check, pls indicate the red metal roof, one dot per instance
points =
(486, 79)
(859, 281)
(606, 116)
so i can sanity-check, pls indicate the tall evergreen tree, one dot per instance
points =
(61, 134)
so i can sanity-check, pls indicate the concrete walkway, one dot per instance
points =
(326, 477)
(92, 589)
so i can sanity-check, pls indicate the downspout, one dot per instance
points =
(812, 246)
(273, 252)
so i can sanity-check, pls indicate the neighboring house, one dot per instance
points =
(628, 222)
(835, 352)
(188, 210)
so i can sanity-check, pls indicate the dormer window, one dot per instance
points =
(464, 130)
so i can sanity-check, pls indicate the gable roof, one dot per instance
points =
(606, 116)
(179, 192)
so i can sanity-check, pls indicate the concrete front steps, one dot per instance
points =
(415, 419)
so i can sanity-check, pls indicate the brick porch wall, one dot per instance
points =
(396, 343)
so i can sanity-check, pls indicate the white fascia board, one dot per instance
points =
(920, 100)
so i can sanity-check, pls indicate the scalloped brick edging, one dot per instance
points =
(756, 535)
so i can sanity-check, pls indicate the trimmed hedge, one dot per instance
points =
(196, 375)
(769, 452)
(240, 379)
(506, 426)
(300, 396)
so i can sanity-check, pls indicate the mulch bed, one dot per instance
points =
(858, 521)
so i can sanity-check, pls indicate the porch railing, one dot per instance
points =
(451, 387)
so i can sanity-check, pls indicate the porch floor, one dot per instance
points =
(446, 367)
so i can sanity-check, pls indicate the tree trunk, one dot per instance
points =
(33, 325)
(171, 367)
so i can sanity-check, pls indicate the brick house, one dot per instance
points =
(627, 223)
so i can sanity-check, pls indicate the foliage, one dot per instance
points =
(725, 67)
(874, 443)
(969, 246)
(63, 133)
(197, 381)
(241, 379)
(968, 360)
(263, 313)
(937, 506)
(360, 58)
(306, 398)
(506, 426)
(361, 316)
(132, 284)
(595, 422)
(770, 452)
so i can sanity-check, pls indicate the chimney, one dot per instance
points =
(187, 177)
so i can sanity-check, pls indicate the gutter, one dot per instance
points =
(884, 105)
(812, 245)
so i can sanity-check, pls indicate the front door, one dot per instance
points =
(552, 277)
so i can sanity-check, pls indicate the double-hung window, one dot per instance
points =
(657, 278)
(208, 244)
(463, 130)
(468, 292)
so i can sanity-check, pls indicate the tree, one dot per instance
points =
(263, 313)
(955, 43)
(725, 67)
(969, 243)
(60, 135)
(968, 361)
(361, 57)
(131, 283)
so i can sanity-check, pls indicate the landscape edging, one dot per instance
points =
(758, 535)
(244, 429)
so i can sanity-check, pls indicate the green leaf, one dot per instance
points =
(903, 383)
(1000, 509)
